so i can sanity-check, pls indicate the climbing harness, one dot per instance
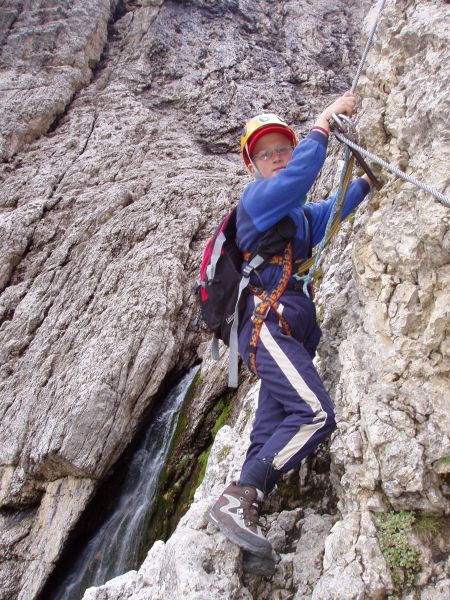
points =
(268, 302)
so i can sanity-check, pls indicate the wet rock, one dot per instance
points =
(36, 534)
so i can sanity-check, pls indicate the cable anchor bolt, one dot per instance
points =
(343, 127)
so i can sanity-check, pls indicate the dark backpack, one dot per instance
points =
(220, 275)
(223, 284)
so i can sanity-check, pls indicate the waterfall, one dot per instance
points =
(115, 548)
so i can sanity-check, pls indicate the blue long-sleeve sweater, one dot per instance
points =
(264, 202)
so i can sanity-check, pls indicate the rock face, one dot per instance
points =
(118, 133)
(48, 52)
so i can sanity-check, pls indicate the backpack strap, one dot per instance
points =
(215, 348)
(217, 251)
(309, 219)
(255, 262)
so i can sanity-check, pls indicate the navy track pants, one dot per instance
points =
(295, 412)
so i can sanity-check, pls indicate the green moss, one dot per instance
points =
(318, 277)
(181, 425)
(221, 413)
(219, 416)
(202, 461)
(184, 460)
(223, 409)
(427, 528)
(194, 387)
(320, 313)
(186, 466)
(401, 558)
(183, 418)
(222, 454)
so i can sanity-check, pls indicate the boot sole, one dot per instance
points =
(263, 550)
(258, 565)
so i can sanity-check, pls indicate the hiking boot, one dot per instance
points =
(236, 515)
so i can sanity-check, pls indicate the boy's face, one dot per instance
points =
(276, 144)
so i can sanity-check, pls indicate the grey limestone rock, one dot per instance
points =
(48, 53)
(118, 134)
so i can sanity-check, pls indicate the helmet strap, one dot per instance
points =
(256, 172)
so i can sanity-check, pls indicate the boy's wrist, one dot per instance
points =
(322, 130)
(322, 123)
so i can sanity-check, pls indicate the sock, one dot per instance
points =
(260, 475)
(259, 495)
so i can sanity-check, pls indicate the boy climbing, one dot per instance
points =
(294, 412)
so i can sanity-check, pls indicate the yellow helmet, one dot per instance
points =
(259, 126)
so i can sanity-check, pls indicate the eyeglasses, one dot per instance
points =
(267, 154)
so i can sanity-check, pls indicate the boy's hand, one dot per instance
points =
(367, 178)
(346, 104)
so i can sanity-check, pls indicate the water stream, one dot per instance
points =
(116, 547)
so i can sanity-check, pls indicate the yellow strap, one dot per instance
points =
(305, 266)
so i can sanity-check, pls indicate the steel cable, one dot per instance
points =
(393, 169)
(367, 48)
(341, 193)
